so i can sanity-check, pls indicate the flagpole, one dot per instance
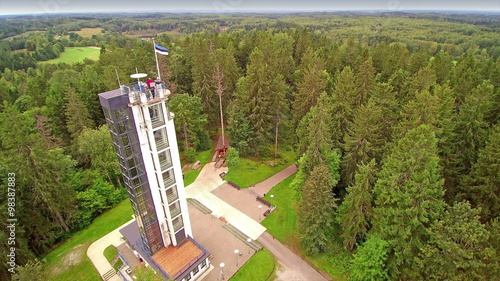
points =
(156, 57)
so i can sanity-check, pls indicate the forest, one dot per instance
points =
(392, 117)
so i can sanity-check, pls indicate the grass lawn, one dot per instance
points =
(261, 266)
(190, 174)
(251, 171)
(69, 260)
(110, 253)
(282, 224)
(76, 54)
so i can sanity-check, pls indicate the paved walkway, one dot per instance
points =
(96, 251)
(291, 260)
(201, 188)
(264, 187)
(244, 200)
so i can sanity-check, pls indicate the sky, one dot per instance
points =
(9, 7)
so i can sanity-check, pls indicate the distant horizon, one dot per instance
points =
(266, 11)
(53, 7)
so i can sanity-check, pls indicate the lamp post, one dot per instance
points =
(236, 252)
(222, 270)
(260, 216)
(272, 196)
(249, 240)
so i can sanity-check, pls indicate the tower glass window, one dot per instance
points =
(161, 139)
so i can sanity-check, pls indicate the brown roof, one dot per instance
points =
(219, 143)
(173, 259)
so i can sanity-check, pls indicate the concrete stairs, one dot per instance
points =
(254, 245)
(108, 275)
(199, 206)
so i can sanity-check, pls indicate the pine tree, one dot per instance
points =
(458, 247)
(280, 108)
(388, 58)
(31, 271)
(316, 211)
(418, 60)
(494, 243)
(445, 132)
(408, 198)
(357, 208)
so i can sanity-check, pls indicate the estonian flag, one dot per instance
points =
(161, 50)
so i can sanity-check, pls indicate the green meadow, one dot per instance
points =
(76, 54)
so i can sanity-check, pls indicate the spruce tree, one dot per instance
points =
(409, 197)
(423, 109)
(316, 211)
(45, 199)
(77, 115)
(312, 82)
(482, 185)
(442, 63)
(364, 140)
(203, 78)
(346, 92)
(470, 132)
(464, 77)
(365, 80)
(357, 208)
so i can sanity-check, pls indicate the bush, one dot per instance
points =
(191, 155)
(369, 261)
(233, 157)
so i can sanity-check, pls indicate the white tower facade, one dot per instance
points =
(143, 134)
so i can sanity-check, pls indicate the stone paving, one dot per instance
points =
(201, 188)
(208, 231)
(244, 201)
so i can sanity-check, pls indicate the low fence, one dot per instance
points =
(234, 185)
(263, 201)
